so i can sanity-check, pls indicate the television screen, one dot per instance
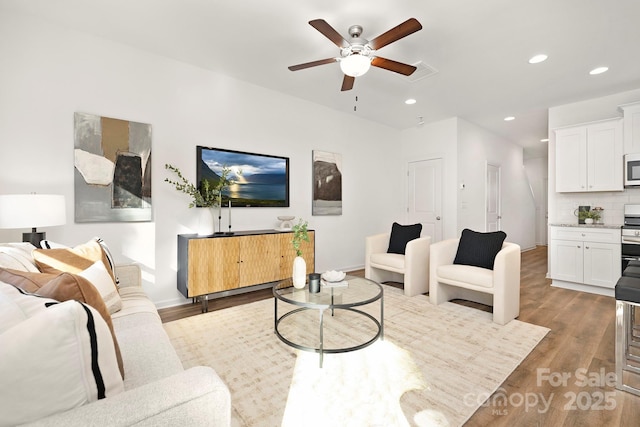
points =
(260, 180)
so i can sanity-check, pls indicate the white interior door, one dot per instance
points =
(425, 197)
(493, 198)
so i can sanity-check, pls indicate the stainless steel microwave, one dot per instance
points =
(632, 170)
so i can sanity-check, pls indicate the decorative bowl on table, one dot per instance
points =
(333, 276)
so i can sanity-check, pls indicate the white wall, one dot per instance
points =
(562, 205)
(48, 73)
(431, 141)
(476, 148)
(537, 170)
(465, 149)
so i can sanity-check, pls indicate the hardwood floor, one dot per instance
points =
(567, 380)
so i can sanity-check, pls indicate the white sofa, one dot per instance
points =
(411, 269)
(499, 287)
(157, 390)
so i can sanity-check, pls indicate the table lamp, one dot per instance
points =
(32, 211)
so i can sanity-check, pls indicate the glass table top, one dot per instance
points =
(359, 291)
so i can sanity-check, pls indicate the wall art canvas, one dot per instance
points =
(112, 169)
(327, 183)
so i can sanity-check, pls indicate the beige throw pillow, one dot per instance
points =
(72, 260)
(99, 277)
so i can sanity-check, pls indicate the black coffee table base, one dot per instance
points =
(379, 325)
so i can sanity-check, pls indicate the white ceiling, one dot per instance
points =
(480, 49)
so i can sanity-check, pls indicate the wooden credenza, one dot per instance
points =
(213, 264)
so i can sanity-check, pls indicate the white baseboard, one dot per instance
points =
(609, 292)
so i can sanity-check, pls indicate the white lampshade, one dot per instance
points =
(31, 210)
(355, 65)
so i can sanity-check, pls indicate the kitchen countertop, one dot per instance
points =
(588, 225)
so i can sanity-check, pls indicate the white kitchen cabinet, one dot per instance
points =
(589, 157)
(631, 127)
(586, 256)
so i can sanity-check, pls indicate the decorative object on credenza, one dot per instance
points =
(229, 233)
(327, 183)
(32, 211)
(204, 197)
(300, 234)
(286, 223)
(206, 222)
(112, 169)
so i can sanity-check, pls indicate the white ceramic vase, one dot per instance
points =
(299, 272)
(205, 222)
(588, 221)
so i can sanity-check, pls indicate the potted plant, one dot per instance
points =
(589, 217)
(300, 234)
(204, 197)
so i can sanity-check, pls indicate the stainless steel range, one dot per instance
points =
(631, 235)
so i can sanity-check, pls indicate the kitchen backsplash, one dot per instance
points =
(612, 203)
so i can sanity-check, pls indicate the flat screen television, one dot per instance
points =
(263, 181)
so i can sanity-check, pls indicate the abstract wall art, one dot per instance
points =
(327, 183)
(112, 169)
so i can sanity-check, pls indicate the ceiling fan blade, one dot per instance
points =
(409, 26)
(328, 31)
(347, 83)
(394, 66)
(312, 64)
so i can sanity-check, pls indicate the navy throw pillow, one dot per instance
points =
(401, 235)
(479, 249)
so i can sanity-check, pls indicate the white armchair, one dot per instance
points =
(412, 268)
(499, 287)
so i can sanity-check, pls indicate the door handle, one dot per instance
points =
(438, 218)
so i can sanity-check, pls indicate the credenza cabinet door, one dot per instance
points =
(213, 265)
(259, 259)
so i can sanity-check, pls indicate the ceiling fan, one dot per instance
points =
(358, 54)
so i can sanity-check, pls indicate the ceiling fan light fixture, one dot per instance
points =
(355, 65)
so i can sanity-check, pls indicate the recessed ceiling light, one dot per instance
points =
(509, 118)
(544, 140)
(538, 58)
(410, 101)
(598, 70)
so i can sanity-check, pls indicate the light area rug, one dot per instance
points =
(435, 367)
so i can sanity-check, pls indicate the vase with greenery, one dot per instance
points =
(589, 217)
(300, 234)
(206, 196)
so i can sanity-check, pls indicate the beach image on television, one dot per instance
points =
(261, 180)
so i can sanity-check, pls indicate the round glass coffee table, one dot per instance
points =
(302, 323)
